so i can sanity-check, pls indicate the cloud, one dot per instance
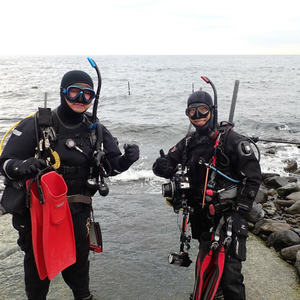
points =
(150, 27)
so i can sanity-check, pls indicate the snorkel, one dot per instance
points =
(96, 134)
(207, 80)
(96, 101)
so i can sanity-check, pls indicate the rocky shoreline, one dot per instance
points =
(275, 216)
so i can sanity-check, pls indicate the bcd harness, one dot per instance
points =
(47, 134)
(209, 189)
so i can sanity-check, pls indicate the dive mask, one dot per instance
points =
(197, 111)
(79, 93)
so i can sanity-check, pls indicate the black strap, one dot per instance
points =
(45, 117)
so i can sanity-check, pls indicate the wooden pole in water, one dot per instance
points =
(233, 101)
(193, 87)
(45, 99)
(128, 84)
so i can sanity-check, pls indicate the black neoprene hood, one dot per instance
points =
(200, 97)
(76, 76)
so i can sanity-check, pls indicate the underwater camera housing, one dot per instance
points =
(181, 259)
(176, 193)
(176, 189)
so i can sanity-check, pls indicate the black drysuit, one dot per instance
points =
(75, 170)
(235, 161)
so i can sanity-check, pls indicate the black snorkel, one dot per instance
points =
(95, 107)
(97, 135)
(207, 80)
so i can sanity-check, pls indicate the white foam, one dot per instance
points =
(274, 163)
(136, 175)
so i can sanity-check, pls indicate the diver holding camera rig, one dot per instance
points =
(216, 183)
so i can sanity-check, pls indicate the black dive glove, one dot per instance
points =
(161, 166)
(24, 169)
(131, 154)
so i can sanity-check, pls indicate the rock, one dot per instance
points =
(263, 236)
(262, 195)
(256, 213)
(279, 181)
(284, 203)
(272, 192)
(271, 151)
(294, 209)
(283, 239)
(297, 171)
(270, 208)
(293, 220)
(297, 263)
(269, 226)
(294, 196)
(288, 189)
(290, 253)
(291, 165)
(268, 175)
(297, 230)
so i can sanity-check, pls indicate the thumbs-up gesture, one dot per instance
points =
(161, 165)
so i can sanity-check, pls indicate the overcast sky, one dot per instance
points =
(96, 27)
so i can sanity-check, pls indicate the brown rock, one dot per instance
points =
(288, 189)
(269, 226)
(297, 263)
(294, 196)
(294, 209)
(285, 203)
(282, 239)
(290, 253)
(291, 165)
(272, 192)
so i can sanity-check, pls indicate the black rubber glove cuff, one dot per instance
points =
(17, 169)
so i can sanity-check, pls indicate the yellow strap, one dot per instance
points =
(56, 157)
(10, 130)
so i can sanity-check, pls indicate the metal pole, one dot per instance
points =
(45, 99)
(128, 84)
(233, 101)
(193, 87)
(257, 139)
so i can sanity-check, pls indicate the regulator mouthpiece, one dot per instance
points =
(103, 189)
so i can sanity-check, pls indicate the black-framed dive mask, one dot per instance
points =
(79, 93)
(197, 111)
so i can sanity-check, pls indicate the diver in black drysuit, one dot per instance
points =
(236, 159)
(18, 163)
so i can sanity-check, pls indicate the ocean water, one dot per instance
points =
(139, 230)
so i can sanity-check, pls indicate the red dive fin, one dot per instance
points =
(52, 226)
(203, 269)
(210, 261)
(209, 270)
(213, 280)
(58, 232)
(36, 212)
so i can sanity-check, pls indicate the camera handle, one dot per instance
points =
(182, 258)
(184, 239)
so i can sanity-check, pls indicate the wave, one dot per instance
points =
(133, 175)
